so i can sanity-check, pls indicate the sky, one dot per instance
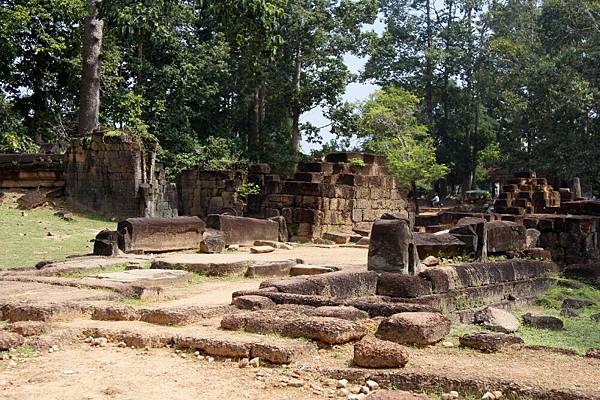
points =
(354, 92)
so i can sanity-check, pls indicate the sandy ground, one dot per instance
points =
(80, 373)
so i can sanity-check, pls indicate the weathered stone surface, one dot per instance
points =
(106, 243)
(371, 352)
(442, 244)
(31, 200)
(336, 284)
(543, 322)
(396, 395)
(144, 277)
(473, 231)
(283, 230)
(307, 269)
(215, 347)
(212, 242)
(593, 353)
(270, 268)
(115, 313)
(242, 229)
(392, 247)
(396, 285)
(577, 303)
(532, 238)
(160, 234)
(341, 237)
(418, 328)
(323, 329)
(506, 236)
(431, 261)
(261, 249)
(491, 342)
(274, 244)
(28, 328)
(446, 278)
(252, 302)
(279, 354)
(343, 312)
(497, 320)
(10, 340)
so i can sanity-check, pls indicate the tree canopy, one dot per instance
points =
(508, 84)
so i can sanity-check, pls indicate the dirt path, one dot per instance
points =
(79, 373)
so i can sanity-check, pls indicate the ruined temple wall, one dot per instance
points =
(201, 193)
(115, 176)
(334, 195)
(30, 171)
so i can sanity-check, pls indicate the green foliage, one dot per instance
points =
(389, 123)
(357, 162)
(248, 189)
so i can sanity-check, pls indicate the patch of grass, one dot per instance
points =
(580, 333)
(135, 302)
(24, 233)
(96, 271)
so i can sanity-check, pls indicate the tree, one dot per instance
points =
(89, 103)
(389, 124)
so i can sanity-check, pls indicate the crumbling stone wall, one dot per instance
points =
(334, 195)
(28, 171)
(527, 194)
(201, 193)
(117, 176)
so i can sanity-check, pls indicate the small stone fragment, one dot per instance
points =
(488, 396)
(372, 385)
(243, 363)
(255, 362)
(261, 249)
(342, 383)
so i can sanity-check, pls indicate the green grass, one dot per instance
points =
(580, 333)
(135, 302)
(25, 240)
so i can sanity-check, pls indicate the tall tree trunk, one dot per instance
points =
(89, 100)
(429, 68)
(296, 103)
(253, 133)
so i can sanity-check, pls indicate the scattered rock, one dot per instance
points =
(372, 385)
(576, 303)
(244, 362)
(568, 312)
(430, 261)
(261, 249)
(342, 383)
(491, 342)
(28, 328)
(343, 312)
(497, 320)
(593, 353)
(543, 322)
(253, 302)
(255, 362)
(571, 284)
(212, 245)
(274, 244)
(419, 328)
(31, 200)
(371, 352)
(64, 215)
(99, 342)
(10, 340)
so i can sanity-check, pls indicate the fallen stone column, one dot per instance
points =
(141, 235)
(242, 229)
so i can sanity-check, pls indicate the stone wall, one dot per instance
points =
(117, 176)
(333, 195)
(201, 193)
(28, 171)
(527, 194)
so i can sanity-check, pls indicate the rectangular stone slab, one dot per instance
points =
(160, 234)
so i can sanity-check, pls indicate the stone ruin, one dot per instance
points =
(117, 176)
(335, 195)
(527, 194)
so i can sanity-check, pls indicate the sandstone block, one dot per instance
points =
(418, 328)
(371, 352)
(491, 342)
